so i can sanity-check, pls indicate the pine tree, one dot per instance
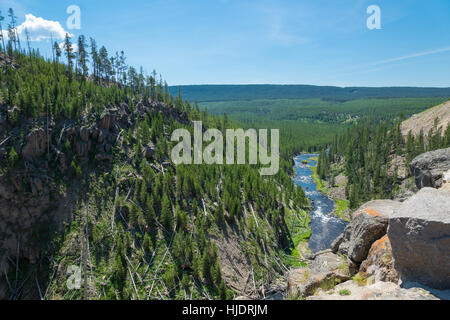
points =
(2, 18)
(150, 210)
(13, 157)
(148, 244)
(166, 213)
(410, 147)
(68, 48)
(57, 51)
(94, 57)
(13, 36)
(104, 63)
(82, 56)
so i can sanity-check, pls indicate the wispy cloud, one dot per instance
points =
(281, 28)
(410, 56)
(383, 64)
(280, 35)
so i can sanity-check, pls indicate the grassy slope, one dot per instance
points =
(341, 204)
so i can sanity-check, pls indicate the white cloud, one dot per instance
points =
(39, 29)
(74, 46)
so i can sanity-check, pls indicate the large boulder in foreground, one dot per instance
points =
(419, 232)
(324, 271)
(379, 262)
(429, 168)
(369, 224)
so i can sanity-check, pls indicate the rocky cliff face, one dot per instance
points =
(33, 204)
(419, 232)
(429, 168)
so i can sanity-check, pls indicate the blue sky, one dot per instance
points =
(319, 42)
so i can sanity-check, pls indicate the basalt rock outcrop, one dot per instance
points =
(32, 203)
(369, 224)
(30, 210)
(429, 168)
(36, 144)
(419, 232)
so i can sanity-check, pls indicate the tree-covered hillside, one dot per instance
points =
(370, 155)
(86, 181)
(310, 124)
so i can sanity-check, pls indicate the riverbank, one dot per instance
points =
(325, 227)
(342, 207)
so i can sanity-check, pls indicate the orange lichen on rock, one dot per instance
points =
(379, 261)
(373, 212)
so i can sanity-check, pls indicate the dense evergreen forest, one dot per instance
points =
(140, 227)
(365, 152)
(210, 93)
(311, 124)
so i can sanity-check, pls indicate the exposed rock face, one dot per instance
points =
(3, 123)
(32, 204)
(398, 167)
(325, 271)
(30, 207)
(236, 266)
(419, 232)
(149, 152)
(106, 121)
(104, 157)
(379, 262)
(350, 290)
(426, 120)
(428, 168)
(82, 149)
(84, 134)
(36, 144)
(446, 181)
(446, 178)
(369, 224)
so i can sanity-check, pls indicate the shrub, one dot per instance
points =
(13, 158)
(345, 292)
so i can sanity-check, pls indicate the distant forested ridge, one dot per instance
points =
(203, 93)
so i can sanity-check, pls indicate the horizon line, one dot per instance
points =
(307, 85)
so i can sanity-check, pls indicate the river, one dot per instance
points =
(324, 228)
